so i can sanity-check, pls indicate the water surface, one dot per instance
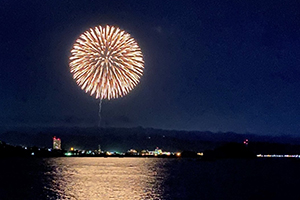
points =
(148, 178)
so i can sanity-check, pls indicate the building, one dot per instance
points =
(158, 151)
(56, 143)
(132, 152)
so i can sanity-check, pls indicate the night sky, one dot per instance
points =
(209, 65)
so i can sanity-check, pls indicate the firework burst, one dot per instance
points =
(106, 62)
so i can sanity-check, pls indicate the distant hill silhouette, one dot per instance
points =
(122, 139)
(234, 150)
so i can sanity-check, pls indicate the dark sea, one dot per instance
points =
(148, 178)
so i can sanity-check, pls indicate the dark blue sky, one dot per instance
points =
(209, 65)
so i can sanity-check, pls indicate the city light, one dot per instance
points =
(277, 156)
(56, 143)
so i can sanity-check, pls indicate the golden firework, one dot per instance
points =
(106, 62)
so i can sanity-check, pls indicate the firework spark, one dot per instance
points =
(106, 62)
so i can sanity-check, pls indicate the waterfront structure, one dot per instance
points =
(56, 143)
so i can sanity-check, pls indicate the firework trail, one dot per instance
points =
(99, 113)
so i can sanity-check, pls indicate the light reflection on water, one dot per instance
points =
(148, 178)
(105, 178)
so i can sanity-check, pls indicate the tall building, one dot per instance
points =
(99, 149)
(56, 143)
